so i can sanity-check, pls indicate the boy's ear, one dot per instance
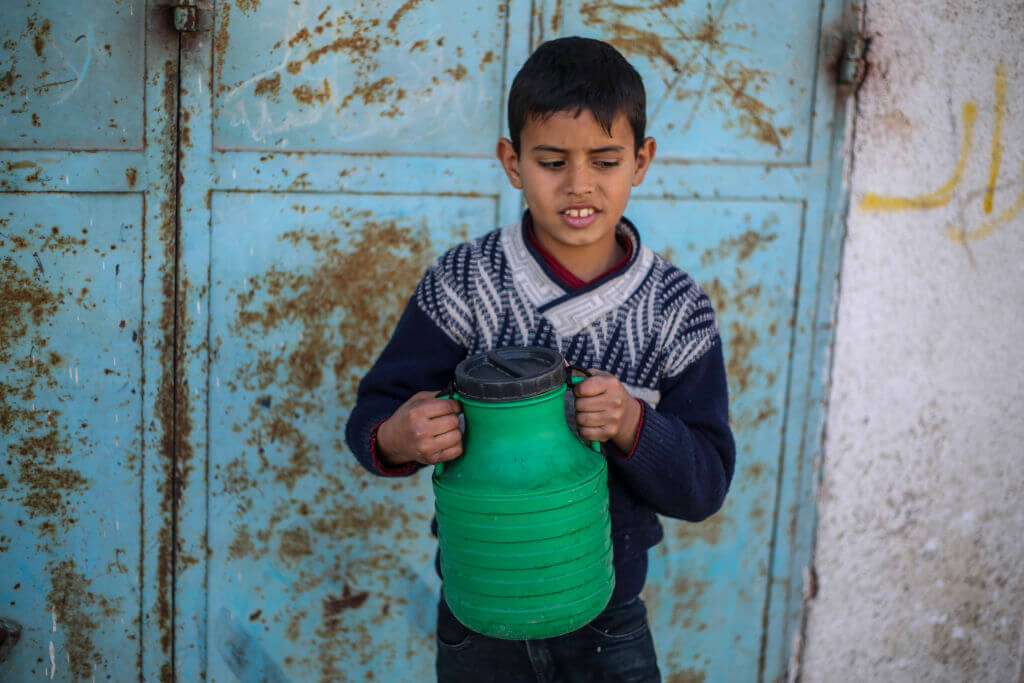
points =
(506, 154)
(644, 157)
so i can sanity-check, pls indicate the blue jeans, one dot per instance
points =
(616, 646)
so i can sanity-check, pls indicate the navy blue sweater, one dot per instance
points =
(648, 323)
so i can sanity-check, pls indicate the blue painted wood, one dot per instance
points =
(86, 251)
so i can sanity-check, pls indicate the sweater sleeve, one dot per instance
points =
(684, 456)
(425, 347)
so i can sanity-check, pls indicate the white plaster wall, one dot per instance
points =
(920, 541)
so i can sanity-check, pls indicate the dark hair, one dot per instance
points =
(576, 74)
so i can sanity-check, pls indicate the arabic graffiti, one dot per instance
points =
(944, 194)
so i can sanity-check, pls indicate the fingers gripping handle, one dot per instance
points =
(447, 392)
(571, 381)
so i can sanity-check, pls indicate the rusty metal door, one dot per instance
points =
(88, 97)
(326, 152)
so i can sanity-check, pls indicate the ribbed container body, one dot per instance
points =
(523, 522)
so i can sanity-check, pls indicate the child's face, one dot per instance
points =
(569, 165)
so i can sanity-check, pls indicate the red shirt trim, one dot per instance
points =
(563, 273)
(387, 470)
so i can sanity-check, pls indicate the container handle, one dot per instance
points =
(447, 392)
(572, 381)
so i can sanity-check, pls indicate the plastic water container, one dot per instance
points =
(523, 522)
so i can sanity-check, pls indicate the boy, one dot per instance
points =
(572, 276)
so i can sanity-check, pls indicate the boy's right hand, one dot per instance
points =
(424, 429)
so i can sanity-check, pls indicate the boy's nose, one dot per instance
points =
(579, 181)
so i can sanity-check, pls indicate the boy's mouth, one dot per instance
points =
(580, 213)
(579, 216)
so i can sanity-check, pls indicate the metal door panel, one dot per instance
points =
(86, 258)
(306, 556)
(707, 580)
(72, 75)
(393, 78)
(72, 366)
(727, 80)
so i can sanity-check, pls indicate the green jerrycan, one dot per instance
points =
(522, 515)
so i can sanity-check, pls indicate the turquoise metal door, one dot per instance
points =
(275, 182)
(88, 97)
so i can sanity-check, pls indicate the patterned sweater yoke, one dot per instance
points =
(644, 323)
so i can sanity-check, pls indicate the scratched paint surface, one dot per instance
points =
(70, 416)
(377, 77)
(50, 50)
(328, 153)
(725, 80)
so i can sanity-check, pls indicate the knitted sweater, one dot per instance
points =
(649, 324)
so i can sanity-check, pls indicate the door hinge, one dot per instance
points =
(851, 67)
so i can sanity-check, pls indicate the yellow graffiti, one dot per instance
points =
(997, 136)
(960, 235)
(939, 197)
(944, 194)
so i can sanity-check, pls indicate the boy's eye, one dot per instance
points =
(557, 163)
(606, 164)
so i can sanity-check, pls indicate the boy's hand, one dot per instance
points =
(606, 411)
(424, 429)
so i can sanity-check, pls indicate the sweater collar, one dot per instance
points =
(625, 234)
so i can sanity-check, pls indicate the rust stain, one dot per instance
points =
(7, 81)
(173, 450)
(402, 11)
(742, 246)
(13, 165)
(221, 40)
(295, 544)
(732, 88)
(486, 59)
(688, 595)
(378, 92)
(271, 85)
(248, 5)
(688, 676)
(556, 18)
(458, 73)
(41, 37)
(334, 605)
(79, 612)
(742, 342)
(302, 36)
(131, 175)
(307, 95)
(359, 45)
(736, 83)
(710, 530)
(41, 450)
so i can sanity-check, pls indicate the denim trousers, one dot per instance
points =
(616, 646)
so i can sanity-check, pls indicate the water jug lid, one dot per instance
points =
(510, 373)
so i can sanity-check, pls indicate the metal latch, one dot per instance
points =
(850, 70)
(188, 15)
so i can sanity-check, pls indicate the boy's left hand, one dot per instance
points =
(605, 411)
